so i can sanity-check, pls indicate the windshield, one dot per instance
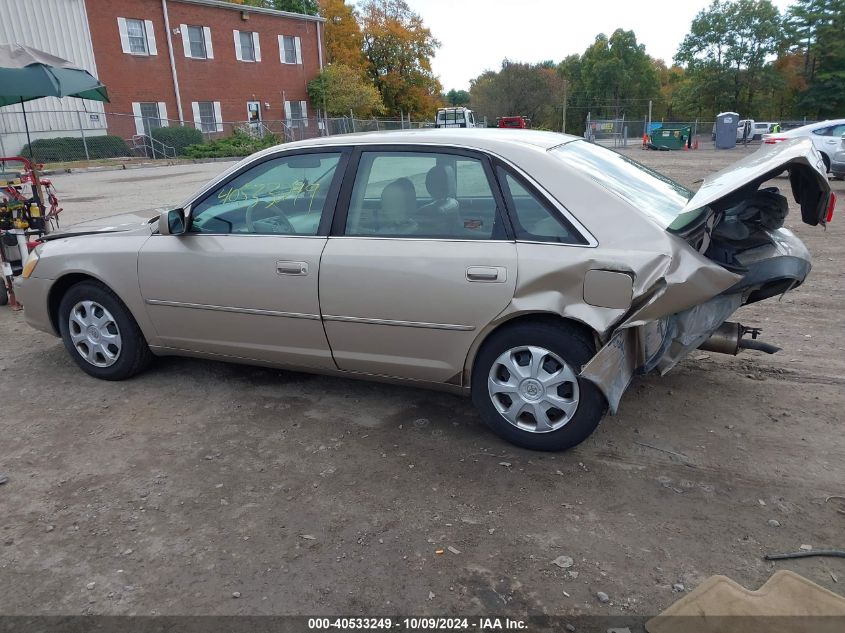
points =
(659, 197)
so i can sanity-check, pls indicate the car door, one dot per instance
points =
(242, 281)
(418, 263)
(827, 139)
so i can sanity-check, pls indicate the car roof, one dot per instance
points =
(489, 139)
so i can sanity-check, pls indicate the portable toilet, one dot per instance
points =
(725, 132)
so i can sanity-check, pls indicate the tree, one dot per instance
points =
(728, 50)
(456, 97)
(398, 49)
(519, 89)
(816, 31)
(343, 38)
(617, 74)
(308, 7)
(339, 88)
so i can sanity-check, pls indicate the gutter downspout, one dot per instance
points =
(320, 55)
(172, 62)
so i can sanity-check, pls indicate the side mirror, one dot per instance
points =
(172, 222)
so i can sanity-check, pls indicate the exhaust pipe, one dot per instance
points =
(728, 339)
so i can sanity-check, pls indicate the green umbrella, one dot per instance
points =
(27, 73)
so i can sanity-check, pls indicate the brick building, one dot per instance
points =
(208, 63)
(202, 61)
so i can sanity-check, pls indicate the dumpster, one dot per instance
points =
(671, 136)
(725, 130)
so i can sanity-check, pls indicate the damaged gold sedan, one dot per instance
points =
(535, 271)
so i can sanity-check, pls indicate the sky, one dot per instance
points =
(476, 35)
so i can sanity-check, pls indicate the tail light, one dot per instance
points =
(771, 140)
(830, 205)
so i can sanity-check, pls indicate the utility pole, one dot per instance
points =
(648, 128)
(565, 100)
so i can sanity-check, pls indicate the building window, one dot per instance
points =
(196, 41)
(136, 36)
(196, 38)
(207, 116)
(247, 47)
(290, 49)
(149, 116)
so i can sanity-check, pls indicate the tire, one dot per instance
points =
(4, 294)
(113, 358)
(569, 345)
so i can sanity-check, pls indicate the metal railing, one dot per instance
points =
(147, 146)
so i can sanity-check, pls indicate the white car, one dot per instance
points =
(826, 137)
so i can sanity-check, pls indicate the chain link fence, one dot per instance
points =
(697, 134)
(76, 136)
(72, 136)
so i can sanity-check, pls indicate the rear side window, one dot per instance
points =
(533, 219)
(422, 195)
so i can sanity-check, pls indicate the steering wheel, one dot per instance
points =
(279, 221)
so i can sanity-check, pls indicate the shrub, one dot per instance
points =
(179, 138)
(239, 144)
(67, 148)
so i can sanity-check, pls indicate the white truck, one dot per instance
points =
(455, 117)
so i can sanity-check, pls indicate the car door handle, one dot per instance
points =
(489, 274)
(291, 268)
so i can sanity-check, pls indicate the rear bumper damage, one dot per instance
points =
(638, 347)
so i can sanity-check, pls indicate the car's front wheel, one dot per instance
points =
(526, 387)
(100, 333)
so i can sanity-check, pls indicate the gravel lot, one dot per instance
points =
(170, 492)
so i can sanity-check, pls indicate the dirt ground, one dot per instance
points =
(168, 493)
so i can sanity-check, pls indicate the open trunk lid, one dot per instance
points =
(730, 186)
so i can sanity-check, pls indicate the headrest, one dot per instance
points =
(440, 182)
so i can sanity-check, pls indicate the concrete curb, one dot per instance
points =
(140, 165)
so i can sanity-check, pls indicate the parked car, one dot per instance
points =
(741, 129)
(520, 122)
(837, 163)
(534, 271)
(826, 137)
(455, 117)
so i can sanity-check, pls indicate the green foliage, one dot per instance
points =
(68, 148)
(339, 88)
(518, 89)
(308, 7)
(617, 73)
(178, 137)
(456, 97)
(727, 54)
(816, 31)
(241, 143)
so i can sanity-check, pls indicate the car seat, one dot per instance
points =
(441, 216)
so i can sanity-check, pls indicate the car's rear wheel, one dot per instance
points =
(100, 333)
(526, 387)
(826, 160)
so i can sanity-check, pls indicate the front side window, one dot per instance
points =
(247, 46)
(533, 219)
(422, 195)
(280, 196)
(137, 35)
(196, 40)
